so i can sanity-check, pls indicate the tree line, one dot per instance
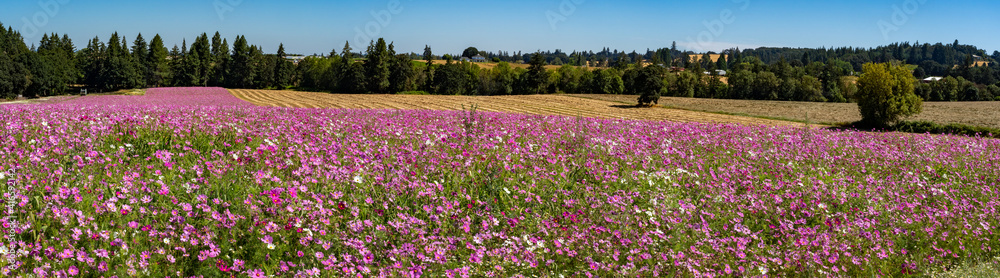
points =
(56, 67)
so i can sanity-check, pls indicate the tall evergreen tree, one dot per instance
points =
(352, 79)
(686, 59)
(53, 66)
(119, 72)
(140, 58)
(282, 69)
(346, 53)
(428, 55)
(241, 73)
(15, 77)
(263, 66)
(400, 72)
(184, 47)
(199, 61)
(158, 70)
(216, 65)
(377, 67)
(92, 60)
(220, 60)
(537, 78)
(735, 58)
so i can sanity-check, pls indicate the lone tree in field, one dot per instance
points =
(649, 83)
(885, 94)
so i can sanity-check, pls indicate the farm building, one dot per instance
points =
(295, 58)
(479, 59)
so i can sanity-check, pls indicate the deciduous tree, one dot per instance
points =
(885, 94)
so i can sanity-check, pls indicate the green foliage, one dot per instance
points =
(742, 83)
(241, 71)
(220, 61)
(568, 79)
(809, 89)
(945, 90)
(885, 94)
(353, 79)
(282, 69)
(685, 86)
(118, 69)
(716, 88)
(767, 85)
(994, 91)
(848, 88)
(428, 54)
(469, 52)
(954, 129)
(607, 81)
(500, 80)
(761, 73)
(537, 78)
(196, 65)
(52, 67)
(450, 80)
(649, 83)
(377, 67)
(346, 52)
(312, 71)
(263, 68)
(401, 73)
(159, 70)
(721, 63)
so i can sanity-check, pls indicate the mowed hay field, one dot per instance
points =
(560, 105)
(985, 114)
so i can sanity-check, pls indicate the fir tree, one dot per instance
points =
(537, 78)
(377, 67)
(240, 70)
(346, 53)
(158, 71)
(282, 69)
(140, 58)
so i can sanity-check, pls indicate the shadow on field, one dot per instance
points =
(623, 106)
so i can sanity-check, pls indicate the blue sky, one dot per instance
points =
(448, 26)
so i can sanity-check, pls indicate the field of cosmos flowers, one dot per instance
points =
(187, 182)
